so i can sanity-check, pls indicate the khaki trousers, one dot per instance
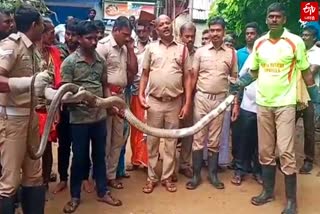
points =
(186, 144)
(115, 142)
(202, 106)
(276, 129)
(14, 156)
(162, 115)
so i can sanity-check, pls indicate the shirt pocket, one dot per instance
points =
(96, 73)
(177, 60)
(207, 62)
(113, 60)
(157, 60)
(24, 66)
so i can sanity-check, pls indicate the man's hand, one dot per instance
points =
(42, 80)
(184, 111)
(243, 81)
(235, 112)
(143, 102)
(121, 113)
(130, 44)
(112, 111)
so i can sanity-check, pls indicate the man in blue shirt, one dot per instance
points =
(251, 34)
(251, 31)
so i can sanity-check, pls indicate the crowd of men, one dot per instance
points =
(167, 83)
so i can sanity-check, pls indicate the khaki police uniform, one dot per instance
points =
(213, 66)
(18, 58)
(165, 100)
(116, 60)
(186, 142)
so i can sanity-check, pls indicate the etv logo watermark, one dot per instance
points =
(309, 11)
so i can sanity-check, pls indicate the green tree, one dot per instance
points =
(238, 13)
(13, 4)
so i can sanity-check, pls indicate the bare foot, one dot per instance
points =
(60, 187)
(88, 186)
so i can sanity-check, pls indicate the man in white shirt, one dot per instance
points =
(248, 135)
(60, 30)
(309, 36)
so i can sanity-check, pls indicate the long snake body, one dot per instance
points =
(94, 101)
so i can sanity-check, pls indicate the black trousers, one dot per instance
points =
(64, 149)
(82, 136)
(247, 157)
(308, 118)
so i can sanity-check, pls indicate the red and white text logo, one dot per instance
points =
(309, 11)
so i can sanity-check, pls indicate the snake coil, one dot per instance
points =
(94, 101)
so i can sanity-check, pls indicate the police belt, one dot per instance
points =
(214, 96)
(164, 99)
(115, 89)
(14, 111)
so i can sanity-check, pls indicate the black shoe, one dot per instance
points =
(7, 205)
(268, 177)
(213, 170)
(197, 157)
(33, 199)
(291, 194)
(306, 168)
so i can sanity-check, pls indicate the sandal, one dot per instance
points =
(132, 167)
(174, 178)
(124, 175)
(236, 180)
(170, 187)
(110, 200)
(88, 186)
(115, 184)
(71, 206)
(62, 185)
(149, 187)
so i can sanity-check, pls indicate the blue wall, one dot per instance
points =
(76, 8)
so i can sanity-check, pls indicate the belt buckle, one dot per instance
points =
(166, 99)
(211, 96)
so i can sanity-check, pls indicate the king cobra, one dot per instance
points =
(91, 100)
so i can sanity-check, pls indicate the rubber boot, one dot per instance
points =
(268, 177)
(7, 205)
(307, 167)
(291, 194)
(197, 157)
(213, 170)
(33, 199)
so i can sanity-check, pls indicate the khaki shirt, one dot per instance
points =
(214, 66)
(75, 69)
(18, 58)
(116, 59)
(166, 69)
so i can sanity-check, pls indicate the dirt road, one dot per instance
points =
(204, 200)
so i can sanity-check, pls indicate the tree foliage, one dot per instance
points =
(13, 4)
(238, 13)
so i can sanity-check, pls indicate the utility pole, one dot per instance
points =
(191, 10)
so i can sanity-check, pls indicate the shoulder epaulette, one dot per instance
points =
(14, 36)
